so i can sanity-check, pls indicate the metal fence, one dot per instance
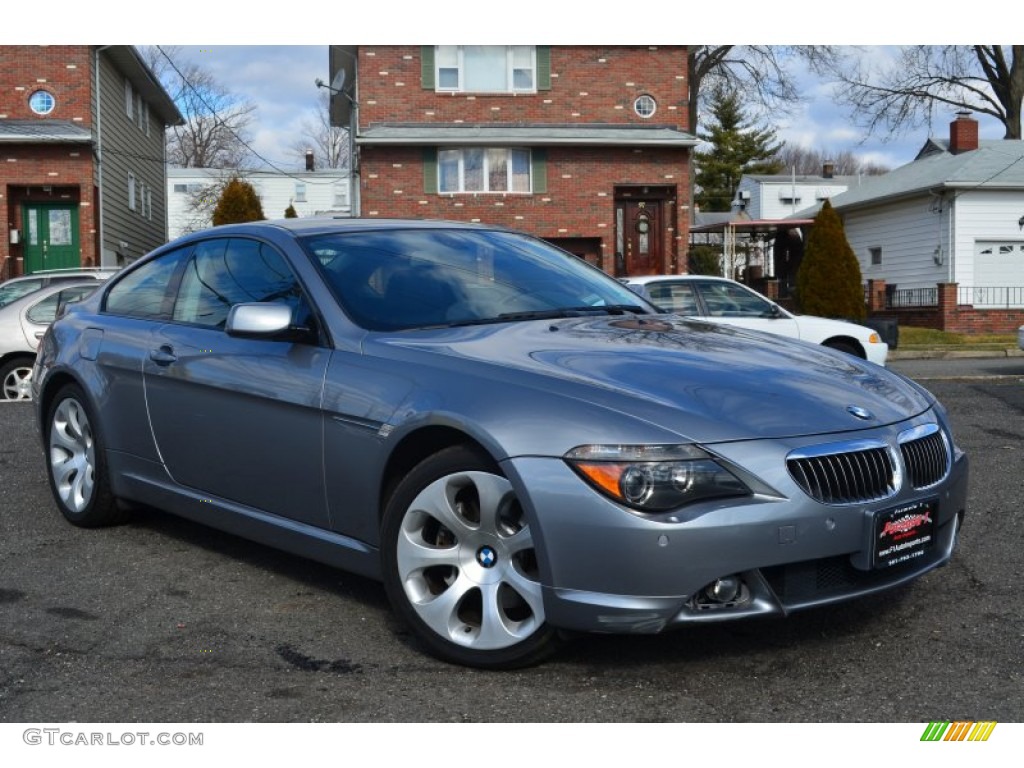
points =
(979, 297)
(911, 297)
(999, 297)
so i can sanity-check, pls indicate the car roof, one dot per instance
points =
(644, 279)
(98, 273)
(316, 225)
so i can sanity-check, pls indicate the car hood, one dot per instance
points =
(705, 382)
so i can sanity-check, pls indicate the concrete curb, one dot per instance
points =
(953, 354)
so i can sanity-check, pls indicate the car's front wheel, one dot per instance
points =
(460, 564)
(76, 464)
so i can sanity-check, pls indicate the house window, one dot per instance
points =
(42, 102)
(480, 169)
(131, 191)
(340, 195)
(645, 106)
(876, 256)
(300, 192)
(149, 204)
(486, 68)
(129, 99)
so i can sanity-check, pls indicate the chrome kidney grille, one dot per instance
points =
(870, 470)
(925, 456)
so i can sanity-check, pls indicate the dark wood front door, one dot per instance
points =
(641, 234)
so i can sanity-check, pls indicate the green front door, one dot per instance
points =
(51, 237)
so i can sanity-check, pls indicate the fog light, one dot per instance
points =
(724, 590)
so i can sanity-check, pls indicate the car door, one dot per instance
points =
(733, 304)
(239, 418)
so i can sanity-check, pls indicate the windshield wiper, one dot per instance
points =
(547, 314)
(542, 314)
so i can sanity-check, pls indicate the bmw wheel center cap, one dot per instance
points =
(486, 556)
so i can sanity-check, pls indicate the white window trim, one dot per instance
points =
(300, 192)
(486, 175)
(131, 192)
(509, 71)
(129, 98)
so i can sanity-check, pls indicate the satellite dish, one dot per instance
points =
(338, 81)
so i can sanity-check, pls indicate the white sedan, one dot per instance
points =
(1020, 337)
(719, 300)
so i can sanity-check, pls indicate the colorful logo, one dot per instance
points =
(958, 731)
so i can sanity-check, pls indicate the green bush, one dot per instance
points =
(705, 260)
(238, 203)
(828, 282)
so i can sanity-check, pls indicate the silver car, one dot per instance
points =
(516, 444)
(22, 324)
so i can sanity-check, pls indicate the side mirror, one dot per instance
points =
(266, 320)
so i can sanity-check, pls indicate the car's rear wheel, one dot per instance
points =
(16, 379)
(77, 466)
(460, 564)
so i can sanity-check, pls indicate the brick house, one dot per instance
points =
(585, 146)
(82, 169)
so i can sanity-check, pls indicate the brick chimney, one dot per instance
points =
(309, 160)
(828, 169)
(963, 133)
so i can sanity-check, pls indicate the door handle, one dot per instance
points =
(163, 356)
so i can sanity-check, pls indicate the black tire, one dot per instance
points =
(459, 564)
(76, 464)
(14, 377)
(847, 347)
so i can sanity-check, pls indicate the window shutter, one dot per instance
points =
(430, 170)
(427, 66)
(539, 169)
(543, 67)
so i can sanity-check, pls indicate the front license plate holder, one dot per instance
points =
(904, 533)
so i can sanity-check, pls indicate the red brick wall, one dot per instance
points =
(27, 171)
(590, 85)
(948, 315)
(63, 70)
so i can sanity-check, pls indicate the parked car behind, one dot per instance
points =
(719, 300)
(22, 324)
(1020, 337)
(515, 443)
(16, 287)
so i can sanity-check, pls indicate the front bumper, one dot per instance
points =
(605, 569)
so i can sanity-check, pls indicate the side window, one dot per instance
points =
(45, 312)
(143, 291)
(727, 300)
(226, 272)
(675, 297)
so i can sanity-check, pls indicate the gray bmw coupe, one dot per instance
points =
(515, 443)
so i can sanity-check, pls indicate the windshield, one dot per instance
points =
(414, 278)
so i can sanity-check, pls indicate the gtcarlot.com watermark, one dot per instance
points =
(53, 737)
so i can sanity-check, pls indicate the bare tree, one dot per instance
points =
(762, 75)
(215, 133)
(330, 144)
(793, 157)
(906, 91)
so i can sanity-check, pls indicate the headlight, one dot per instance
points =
(654, 478)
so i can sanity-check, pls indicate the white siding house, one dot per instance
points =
(953, 215)
(780, 196)
(192, 193)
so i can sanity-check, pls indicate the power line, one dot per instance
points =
(218, 122)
